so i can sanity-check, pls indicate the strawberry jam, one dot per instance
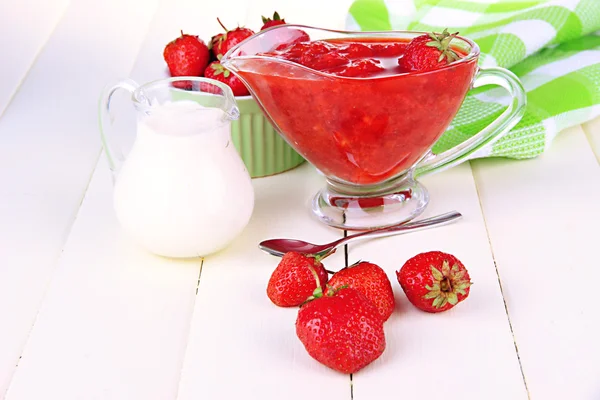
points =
(351, 110)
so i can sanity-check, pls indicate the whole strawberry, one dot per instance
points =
(186, 56)
(295, 279)
(269, 22)
(342, 330)
(372, 281)
(434, 281)
(216, 71)
(221, 43)
(427, 52)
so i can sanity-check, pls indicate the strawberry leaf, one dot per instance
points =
(462, 285)
(445, 268)
(218, 68)
(437, 275)
(441, 42)
(452, 298)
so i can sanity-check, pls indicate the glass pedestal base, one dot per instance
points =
(400, 202)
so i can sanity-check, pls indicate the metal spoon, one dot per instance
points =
(278, 247)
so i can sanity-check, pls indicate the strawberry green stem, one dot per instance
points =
(446, 285)
(331, 291)
(222, 26)
(322, 256)
(315, 276)
(318, 292)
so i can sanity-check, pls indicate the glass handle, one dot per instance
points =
(490, 134)
(114, 153)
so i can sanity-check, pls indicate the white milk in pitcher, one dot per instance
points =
(184, 190)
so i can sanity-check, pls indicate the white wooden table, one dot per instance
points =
(85, 314)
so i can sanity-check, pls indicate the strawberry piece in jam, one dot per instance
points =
(327, 61)
(314, 51)
(388, 49)
(356, 50)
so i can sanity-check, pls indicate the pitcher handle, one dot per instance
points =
(488, 135)
(114, 154)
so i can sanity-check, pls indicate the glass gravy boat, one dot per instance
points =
(370, 137)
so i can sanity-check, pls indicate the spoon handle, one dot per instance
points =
(426, 223)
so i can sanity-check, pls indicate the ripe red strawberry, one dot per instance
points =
(370, 280)
(221, 43)
(428, 52)
(216, 71)
(295, 279)
(342, 330)
(269, 22)
(434, 281)
(186, 56)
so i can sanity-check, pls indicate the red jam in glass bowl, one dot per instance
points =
(348, 107)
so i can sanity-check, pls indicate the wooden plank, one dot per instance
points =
(240, 344)
(465, 353)
(25, 27)
(115, 318)
(592, 131)
(49, 145)
(129, 324)
(542, 217)
(32, 233)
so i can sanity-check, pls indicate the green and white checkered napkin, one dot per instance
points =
(552, 45)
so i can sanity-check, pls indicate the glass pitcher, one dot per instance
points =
(182, 190)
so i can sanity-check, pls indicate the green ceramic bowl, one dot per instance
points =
(263, 150)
